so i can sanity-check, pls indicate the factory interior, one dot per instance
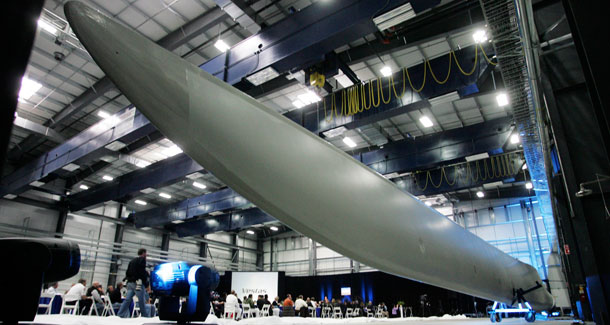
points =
(490, 114)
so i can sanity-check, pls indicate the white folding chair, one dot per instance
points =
(108, 310)
(369, 312)
(46, 306)
(348, 312)
(72, 309)
(93, 308)
(230, 312)
(265, 311)
(247, 312)
(337, 312)
(326, 312)
(312, 312)
(211, 308)
(136, 308)
(356, 312)
(379, 313)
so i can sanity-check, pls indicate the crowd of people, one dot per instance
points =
(301, 306)
(136, 283)
(121, 296)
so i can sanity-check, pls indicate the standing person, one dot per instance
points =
(137, 280)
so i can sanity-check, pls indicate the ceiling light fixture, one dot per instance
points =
(349, 142)
(524, 167)
(107, 177)
(514, 138)
(199, 185)
(83, 187)
(502, 99)
(529, 185)
(140, 202)
(221, 45)
(480, 194)
(47, 27)
(250, 232)
(103, 114)
(426, 121)
(165, 195)
(274, 228)
(479, 36)
(428, 203)
(309, 97)
(386, 71)
(28, 88)
(298, 104)
(172, 151)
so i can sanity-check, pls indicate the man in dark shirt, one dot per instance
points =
(137, 282)
(115, 295)
(260, 302)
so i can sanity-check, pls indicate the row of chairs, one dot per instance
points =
(231, 312)
(108, 309)
(335, 312)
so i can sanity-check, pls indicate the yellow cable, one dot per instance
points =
(434, 76)
(389, 90)
(363, 95)
(417, 90)
(403, 85)
(372, 96)
(474, 66)
(486, 57)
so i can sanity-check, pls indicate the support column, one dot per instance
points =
(234, 253)
(313, 265)
(203, 249)
(61, 222)
(118, 239)
(260, 255)
(165, 245)
(356, 268)
(271, 245)
(528, 235)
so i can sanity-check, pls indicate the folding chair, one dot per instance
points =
(72, 309)
(136, 307)
(337, 312)
(46, 306)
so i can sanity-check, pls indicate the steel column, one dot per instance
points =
(118, 239)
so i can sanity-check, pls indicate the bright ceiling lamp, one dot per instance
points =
(298, 104)
(172, 151)
(47, 27)
(502, 99)
(274, 228)
(221, 45)
(165, 195)
(480, 194)
(349, 142)
(426, 121)
(250, 232)
(199, 185)
(140, 202)
(514, 138)
(84, 187)
(428, 203)
(309, 97)
(524, 167)
(103, 114)
(107, 178)
(479, 36)
(386, 71)
(529, 185)
(28, 88)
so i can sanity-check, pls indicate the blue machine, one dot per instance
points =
(174, 280)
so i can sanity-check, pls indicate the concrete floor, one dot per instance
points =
(458, 320)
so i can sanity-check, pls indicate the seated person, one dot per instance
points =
(260, 302)
(300, 306)
(52, 289)
(78, 293)
(288, 305)
(115, 296)
(94, 292)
